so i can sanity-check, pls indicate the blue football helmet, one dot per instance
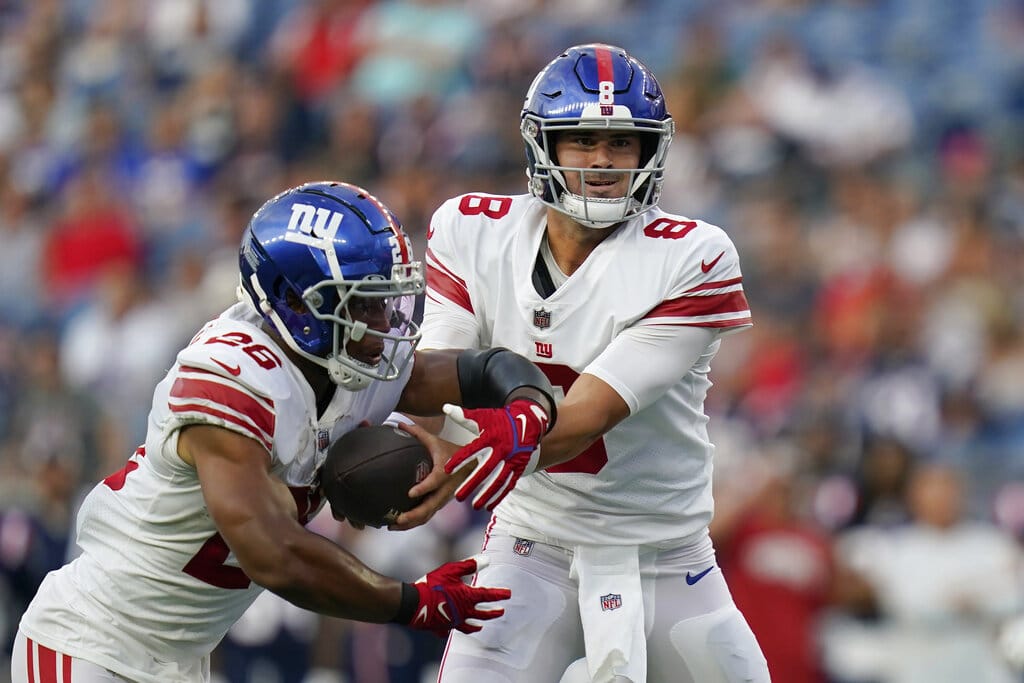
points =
(311, 252)
(603, 87)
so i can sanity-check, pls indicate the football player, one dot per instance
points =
(604, 538)
(210, 510)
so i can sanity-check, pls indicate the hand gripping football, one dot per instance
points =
(368, 473)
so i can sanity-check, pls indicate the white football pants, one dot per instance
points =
(694, 632)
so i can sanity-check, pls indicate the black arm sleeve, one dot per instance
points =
(495, 377)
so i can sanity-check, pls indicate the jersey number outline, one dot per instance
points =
(209, 563)
(492, 207)
(595, 456)
(669, 229)
(260, 353)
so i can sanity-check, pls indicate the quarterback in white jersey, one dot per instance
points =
(210, 510)
(623, 306)
(656, 272)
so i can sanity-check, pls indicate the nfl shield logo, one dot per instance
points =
(323, 439)
(522, 547)
(541, 319)
(611, 601)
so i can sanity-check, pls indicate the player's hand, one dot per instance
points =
(437, 488)
(447, 602)
(340, 518)
(504, 449)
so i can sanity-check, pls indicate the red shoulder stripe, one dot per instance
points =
(214, 398)
(692, 306)
(227, 417)
(448, 286)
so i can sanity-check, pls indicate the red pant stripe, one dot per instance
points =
(30, 666)
(47, 665)
(66, 669)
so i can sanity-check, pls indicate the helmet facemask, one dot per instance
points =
(602, 88)
(548, 176)
(399, 339)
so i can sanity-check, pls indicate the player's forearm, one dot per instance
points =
(558, 451)
(315, 574)
(570, 437)
(588, 412)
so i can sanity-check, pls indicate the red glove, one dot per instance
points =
(443, 601)
(505, 448)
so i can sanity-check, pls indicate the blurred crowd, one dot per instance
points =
(866, 156)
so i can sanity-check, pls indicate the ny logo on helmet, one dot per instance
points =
(311, 224)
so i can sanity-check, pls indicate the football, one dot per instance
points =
(368, 472)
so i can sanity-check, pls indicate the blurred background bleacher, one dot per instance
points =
(866, 156)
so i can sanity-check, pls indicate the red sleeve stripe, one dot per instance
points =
(436, 262)
(449, 287)
(435, 299)
(224, 401)
(203, 412)
(226, 396)
(192, 372)
(728, 305)
(720, 284)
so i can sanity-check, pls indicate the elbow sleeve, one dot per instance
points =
(493, 377)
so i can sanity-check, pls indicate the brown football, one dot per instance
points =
(368, 473)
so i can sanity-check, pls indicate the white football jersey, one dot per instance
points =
(156, 587)
(648, 480)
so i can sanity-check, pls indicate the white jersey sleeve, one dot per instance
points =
(645, 312)
(669, 352)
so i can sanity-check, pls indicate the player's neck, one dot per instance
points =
(570, 242)
(315, 375)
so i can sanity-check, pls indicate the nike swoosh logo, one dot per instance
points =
(705, 266)
(235, 371)
(694, 578)
(422, 615)
(521, 419)
(443, 611)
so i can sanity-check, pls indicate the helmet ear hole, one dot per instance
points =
(294, 302)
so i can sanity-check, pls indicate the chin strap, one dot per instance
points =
(596, 213)
(345, 377)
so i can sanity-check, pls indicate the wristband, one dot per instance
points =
(407, 605)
